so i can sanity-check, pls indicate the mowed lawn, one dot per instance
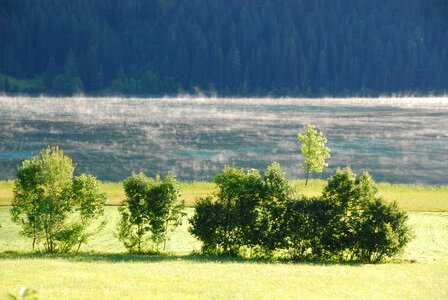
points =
(196, 278)
(104, 270)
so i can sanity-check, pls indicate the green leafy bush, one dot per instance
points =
(234, 214)
(242, 211)
(305, 228)
(151, 208)
(277, 192)
(364, 227)
(380, 228)
(209, 226)
(51, 205)
(90, 201)
(249, 214)
(382, 232)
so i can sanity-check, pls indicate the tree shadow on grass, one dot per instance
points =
(151, 258)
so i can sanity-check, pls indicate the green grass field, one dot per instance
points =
(115, 192)
(409, 197)
(104, 270)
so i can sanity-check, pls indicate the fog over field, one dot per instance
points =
(396, 139)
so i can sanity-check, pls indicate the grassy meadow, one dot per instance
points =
(130, 277)
(104, 270)
(409, 197)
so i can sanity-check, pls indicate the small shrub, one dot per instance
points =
(208, 225)
(363, 227)
(305, 227)
(51, 205)
(341, 188)
(151, 208)
(234, 214)
(243, 213)
(382, 232)
(272, 209)
(341, 192)
(90, 201)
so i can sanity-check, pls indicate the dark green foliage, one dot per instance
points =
(238, 194)
(271, 211)
(244, 213)
(341, 192)
(382, 232)
(341, 188)
(151, 208)
(380, 228)
(50, 73)
(52, 206)
(305, 227)
(363, 226)
(66, 85)
(276, 186)
(233, 47)
(208, 225)
(349, 221)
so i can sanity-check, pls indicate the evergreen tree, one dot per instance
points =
(341, 47)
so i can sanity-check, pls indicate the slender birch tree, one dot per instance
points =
(314, 150)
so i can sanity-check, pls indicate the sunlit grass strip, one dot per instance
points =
(190, 278)
(6, 192)
(179, 274)
(413, 197)
(182, 275)
(190, 191)
(410, 197)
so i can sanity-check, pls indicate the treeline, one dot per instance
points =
(235, 47)
(59, 212)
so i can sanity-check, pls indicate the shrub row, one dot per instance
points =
(59, 211)
(251, 215)
(248, 215)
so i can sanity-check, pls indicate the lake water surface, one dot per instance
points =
(395, 139)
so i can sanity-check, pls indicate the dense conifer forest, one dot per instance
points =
(228, 47)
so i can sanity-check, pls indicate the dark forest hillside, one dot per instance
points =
(231, 47)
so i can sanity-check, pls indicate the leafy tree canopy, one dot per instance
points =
(314, 150)
(52, 206)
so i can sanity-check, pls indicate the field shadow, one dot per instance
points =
(151, 258)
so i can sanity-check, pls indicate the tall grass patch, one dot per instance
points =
(409, 197)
